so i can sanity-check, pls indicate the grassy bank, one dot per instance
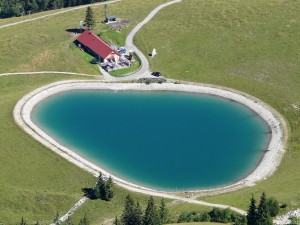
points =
(34, 182)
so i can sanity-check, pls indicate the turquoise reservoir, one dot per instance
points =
(163, 140)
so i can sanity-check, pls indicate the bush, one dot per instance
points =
(184, 217)
(216, 215)
(273, 206)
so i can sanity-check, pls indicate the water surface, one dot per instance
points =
(162, 140)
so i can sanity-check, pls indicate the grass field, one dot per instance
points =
(252, 46)
(35, 183)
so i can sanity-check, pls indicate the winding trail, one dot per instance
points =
(142, 72)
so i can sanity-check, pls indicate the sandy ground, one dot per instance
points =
(267, 166)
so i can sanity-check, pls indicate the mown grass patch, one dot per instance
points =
(114, 37)
(85, 56)
(35, 183)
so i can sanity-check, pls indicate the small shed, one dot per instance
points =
(110, 19)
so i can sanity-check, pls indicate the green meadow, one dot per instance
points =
(252, 46)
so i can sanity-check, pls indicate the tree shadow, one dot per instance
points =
(89, 193)
(75, 30)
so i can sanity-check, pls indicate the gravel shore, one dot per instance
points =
(268, 164)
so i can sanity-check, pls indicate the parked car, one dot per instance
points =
(156, 74)
(122, 50)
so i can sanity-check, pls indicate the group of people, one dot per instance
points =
(116, 62)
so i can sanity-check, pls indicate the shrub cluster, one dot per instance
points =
(215, 215)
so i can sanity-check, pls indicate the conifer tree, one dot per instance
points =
(263, 213)
(100, 184)
(89, 18)
(109, 193)
(138, 215)
(151, 216)
(252, 213)
(127, 216)
(103, 189)
(163, 212)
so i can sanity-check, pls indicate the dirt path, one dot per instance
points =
(71, 211)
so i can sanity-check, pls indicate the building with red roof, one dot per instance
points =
(95, 46)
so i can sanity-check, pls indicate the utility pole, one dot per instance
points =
(105, 10)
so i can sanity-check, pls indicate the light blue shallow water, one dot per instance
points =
(162, 140)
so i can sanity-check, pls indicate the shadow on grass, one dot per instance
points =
(74, 30)
(89, 193)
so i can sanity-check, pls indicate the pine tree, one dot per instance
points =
(151, 216)
(99, 188)
(163, 212)
(263, 213)
(138, 215)
(103, 189)
(127, 216)
(89, 18)
(109, 193)
(34, 6)
(252, 213)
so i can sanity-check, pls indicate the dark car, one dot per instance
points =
(156, 74)
(122, 50)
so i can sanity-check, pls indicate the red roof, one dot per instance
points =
(96, 44)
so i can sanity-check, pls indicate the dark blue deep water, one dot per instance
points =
(162, 140)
